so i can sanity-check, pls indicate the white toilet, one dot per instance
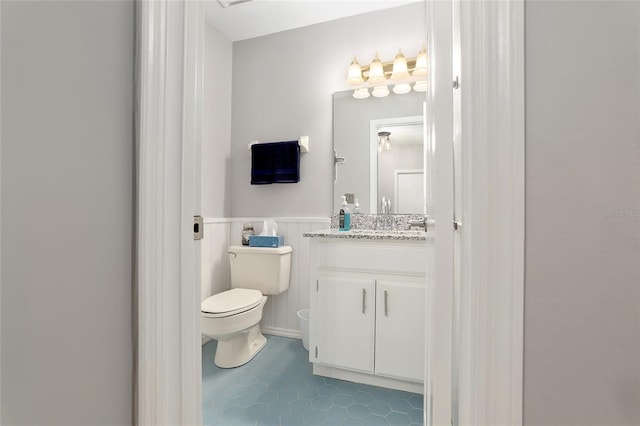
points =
(233, 316)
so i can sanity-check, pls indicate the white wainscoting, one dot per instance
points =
(214, 270)
(280, 312)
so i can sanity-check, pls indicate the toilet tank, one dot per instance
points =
(262, 268)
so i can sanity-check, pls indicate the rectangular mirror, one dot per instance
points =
(381, 141)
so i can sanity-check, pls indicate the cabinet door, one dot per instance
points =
(344, 311)
(400, 329)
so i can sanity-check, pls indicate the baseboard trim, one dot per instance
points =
(282, 332)
(367, 379)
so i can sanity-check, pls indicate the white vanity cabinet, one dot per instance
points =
(345, 308)
(400, 329)
(368, 310)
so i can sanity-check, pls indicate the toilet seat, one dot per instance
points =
(231, 302)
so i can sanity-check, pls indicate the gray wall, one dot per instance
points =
(282, 89)
(582, 304)
(216, 124)
(67, 203)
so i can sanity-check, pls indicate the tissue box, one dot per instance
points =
(266, 241)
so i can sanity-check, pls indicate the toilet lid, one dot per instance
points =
(232, 301)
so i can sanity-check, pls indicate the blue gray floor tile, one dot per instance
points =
(277, 388)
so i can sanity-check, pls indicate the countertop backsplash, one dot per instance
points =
(368, 221)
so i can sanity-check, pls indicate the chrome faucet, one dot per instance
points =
(421, 223)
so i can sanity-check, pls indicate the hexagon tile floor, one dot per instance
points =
(277, 388)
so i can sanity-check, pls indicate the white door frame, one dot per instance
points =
(491, 320)
(170, 41)
(439, 207)
(170, 38)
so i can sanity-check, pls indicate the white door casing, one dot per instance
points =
(486, 59)
(439, 177)
(170, 36)
(193, 82)
(491, 320)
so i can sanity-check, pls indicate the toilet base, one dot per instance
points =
(240, 348)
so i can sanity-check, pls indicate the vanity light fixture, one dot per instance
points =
(401, 88)
(400, 70)
(376, 71)
(402, 73)
(399, 74)
(380, 91)
(361, 93)
(354, 76)
(420, 71)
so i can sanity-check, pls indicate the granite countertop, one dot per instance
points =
(368, 234)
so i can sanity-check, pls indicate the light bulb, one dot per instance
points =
(400, 71)
(401, 88)
(376, 71)
(421, 63)
(354, 76)
(420, 86)
(380, 91)
(361, 93)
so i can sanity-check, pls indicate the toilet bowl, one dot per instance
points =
(233, 317)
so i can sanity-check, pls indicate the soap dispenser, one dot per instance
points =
(356, 208)
(344, 218)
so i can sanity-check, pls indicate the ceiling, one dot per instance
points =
(256, 18)
(405, 134)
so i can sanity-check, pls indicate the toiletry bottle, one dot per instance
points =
(344, 219)
(356, 208)
(247, 231)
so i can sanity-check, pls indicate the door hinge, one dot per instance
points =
(198, 227)
(316, 352)
(317, 285)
